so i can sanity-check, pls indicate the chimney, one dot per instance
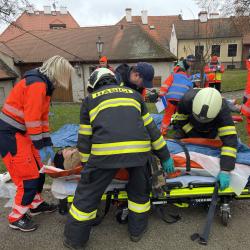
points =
(30, 9)
(214, 15)
(128, 15)
(63, 10)
(203, 16)
(144, 17)
(47, 10)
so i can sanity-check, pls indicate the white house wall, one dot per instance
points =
(77, 86)
(10, 62)
(5, 88)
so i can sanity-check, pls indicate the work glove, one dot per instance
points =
(224, 179)
(168, 166)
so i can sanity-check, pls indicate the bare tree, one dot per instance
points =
(238, 9)
(210, 5)
(10, 9)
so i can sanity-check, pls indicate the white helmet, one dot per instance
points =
(207, 104)
(100, 75)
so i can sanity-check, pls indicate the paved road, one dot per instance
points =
(111, 235)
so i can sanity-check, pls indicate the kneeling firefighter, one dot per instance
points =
(202, 113)
(25, 140)
(116, 131)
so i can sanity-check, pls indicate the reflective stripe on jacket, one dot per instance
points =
(117, 131)
(214, 74)
(181, 84)
(26, 109)
(222, 126)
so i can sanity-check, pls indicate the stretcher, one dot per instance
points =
(195, 192)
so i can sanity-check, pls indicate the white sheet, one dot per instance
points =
(239, 176)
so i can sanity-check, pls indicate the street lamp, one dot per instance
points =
(99, 46)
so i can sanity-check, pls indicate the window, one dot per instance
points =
(216, 50)
(232, 50)
(157, 82)
(199, 50)
(57, 26)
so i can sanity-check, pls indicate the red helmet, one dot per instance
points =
(103, 59)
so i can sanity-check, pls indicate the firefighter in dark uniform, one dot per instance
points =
(116, 131)
(138, 77)
(203, 113)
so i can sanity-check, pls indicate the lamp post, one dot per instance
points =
(99, 46)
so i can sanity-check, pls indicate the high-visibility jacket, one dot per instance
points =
(180, 81)
(26, 109)
(222, 126)
(180, 85)
(245, 110)
(117, 131)
(214, 72)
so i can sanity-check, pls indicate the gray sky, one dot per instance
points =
(103, 12)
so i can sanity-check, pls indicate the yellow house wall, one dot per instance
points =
(187, 47)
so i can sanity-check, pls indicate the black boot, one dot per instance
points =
(43, 208)
(25, 224)
(136, 238)
(70, 245)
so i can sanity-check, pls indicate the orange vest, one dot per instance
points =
(213, 74)
(26, 109)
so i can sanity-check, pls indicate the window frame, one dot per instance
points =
(200, 56)
(229, 52)
(213, 52)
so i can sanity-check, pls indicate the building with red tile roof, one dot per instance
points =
(39, 20)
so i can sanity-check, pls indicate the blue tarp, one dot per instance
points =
(67, 136)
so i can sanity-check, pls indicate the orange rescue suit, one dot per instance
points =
(24, 129)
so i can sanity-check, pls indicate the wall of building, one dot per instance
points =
(10, 62)
(5, 88)
(78, 89)
(186, 47)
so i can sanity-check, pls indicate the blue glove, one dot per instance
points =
(50, 152)
(224, 179)
(168, 165)
(43, 154)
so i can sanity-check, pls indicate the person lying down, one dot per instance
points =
(67, 158)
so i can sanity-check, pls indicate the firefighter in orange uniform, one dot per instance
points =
(214, 70)
(25, 141)
(245, 110)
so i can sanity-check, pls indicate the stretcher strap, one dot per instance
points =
(203, 238)
(185, 150)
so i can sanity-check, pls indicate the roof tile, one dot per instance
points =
(35, 21)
